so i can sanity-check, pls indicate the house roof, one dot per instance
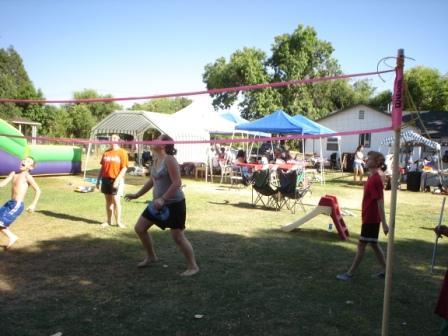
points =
(351, 107)
(431, 123)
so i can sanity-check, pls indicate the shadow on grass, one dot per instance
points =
(244, 205)
(68, 217)
(429, 228)
(347, 183)
(270, 283)
(319, 234)
(130, 179)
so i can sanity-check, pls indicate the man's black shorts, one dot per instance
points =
(369, 233)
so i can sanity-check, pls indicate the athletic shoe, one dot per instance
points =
(344, 276)
(380, 275)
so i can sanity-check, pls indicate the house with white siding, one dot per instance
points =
(358, 117)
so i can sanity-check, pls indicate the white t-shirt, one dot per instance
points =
(359, 157)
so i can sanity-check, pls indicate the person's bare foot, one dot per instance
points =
(190, 272)
(11, 242)
(146, 262)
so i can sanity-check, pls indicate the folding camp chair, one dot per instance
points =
(293, 187)
(266, 192)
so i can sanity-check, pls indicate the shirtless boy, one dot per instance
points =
(14, 207)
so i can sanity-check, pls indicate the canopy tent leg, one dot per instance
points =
(246, 148)
(251, 147)
(89, 147)
(322, 181)
(440, 168)
(340, 156)
(139, 137)
(210, 164)
(258, 148)
(303, 151)
(230, 145)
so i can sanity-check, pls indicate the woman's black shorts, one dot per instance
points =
(107, 187)
(176, 219)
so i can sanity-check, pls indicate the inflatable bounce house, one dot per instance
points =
(49, 159)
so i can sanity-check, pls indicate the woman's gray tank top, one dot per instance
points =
(162, 181)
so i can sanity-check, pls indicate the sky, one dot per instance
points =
(129, 48)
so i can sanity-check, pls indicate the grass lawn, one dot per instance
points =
(67, 274)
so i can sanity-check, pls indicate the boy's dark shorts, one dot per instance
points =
(176, 219)
(369, 233)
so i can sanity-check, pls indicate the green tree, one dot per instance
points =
(362, 91)
(294, 56)
(163, 105)
(15, 83)
(57, 123)
(77, 120)
(444, 94)
(302, 55)
(428, 89)
(381, 101)
(98, 110)
(81, 120)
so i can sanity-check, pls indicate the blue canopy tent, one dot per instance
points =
(320, 130)
(233, 117)
(277, 122)
(281, 123)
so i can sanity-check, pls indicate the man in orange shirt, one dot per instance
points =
(114, 164)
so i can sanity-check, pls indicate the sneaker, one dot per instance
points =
(344, 276)
(104, 225)
(380, 275)
(121, 226)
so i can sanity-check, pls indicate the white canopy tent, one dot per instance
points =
(201, 112)
(411, 136)
(136, 123)
(417, 139)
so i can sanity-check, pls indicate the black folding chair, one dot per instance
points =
(292, 189)
(266, 192)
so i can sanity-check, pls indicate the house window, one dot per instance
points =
(361, 114)
(332, 144)
(365, 140)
